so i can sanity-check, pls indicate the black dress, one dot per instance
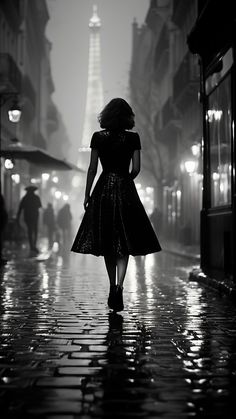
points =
(115, 221)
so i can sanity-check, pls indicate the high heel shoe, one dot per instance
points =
(112, 297)
(119, 305)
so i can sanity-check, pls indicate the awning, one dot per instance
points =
(36, 156)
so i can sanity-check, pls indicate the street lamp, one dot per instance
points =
(14, 113)
(58, 194)
(190, 166)
(196, 149)
(9, 164)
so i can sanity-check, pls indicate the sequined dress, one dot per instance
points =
(115, 221)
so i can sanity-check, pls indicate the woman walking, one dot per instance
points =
(115, 224)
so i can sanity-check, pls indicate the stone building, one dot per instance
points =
(25, 71)
(164, 85)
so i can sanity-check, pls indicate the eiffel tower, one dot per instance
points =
(94, 97)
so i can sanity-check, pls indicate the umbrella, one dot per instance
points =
(36, 156)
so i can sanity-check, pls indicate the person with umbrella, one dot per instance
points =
(30, 204)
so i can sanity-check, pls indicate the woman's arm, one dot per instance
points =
(92, 171)
(135, 164)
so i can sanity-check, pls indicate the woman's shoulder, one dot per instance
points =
(97, 138)
(100, 135)
(133, 133)
(134, 138)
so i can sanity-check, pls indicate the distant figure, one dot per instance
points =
(3, 224)
(30, 204)
(115, 224)
(64, 218)
(49, 222)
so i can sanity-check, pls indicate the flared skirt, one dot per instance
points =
(115, 221)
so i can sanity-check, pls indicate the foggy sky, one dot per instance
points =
(69, 33)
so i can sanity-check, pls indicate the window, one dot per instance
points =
(219, 128)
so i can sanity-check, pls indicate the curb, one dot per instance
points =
(226, 286)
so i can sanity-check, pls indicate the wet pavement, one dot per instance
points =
(170, 354)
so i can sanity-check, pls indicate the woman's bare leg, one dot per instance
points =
(122, 264)
(110, 262)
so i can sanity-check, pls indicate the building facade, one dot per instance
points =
(26, 71)
(213, 41)
(165, 78)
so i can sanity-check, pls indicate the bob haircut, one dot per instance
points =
(117, 115)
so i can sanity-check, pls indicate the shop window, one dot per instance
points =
(219, 128)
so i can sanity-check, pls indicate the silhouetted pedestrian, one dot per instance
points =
(115, 224)
(64, 219)
(49, 222)
(30, 204)
(3, 224)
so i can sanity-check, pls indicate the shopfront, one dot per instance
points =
(213, 40)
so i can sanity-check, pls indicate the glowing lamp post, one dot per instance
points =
(55, 179)
(190, 166)
(14, 113)
(196, 150)
(58, 194)
(9, 164)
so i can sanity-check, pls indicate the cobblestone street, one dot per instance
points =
(170, 354)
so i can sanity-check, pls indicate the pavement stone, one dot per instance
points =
(64, 355)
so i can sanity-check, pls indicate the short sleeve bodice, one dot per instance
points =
(115, 149)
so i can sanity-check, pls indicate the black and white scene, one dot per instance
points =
(117, 209)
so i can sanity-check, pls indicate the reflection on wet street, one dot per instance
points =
(170, 354)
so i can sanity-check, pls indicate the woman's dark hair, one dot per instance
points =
(117, 115)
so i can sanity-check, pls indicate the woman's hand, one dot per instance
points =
(86, 200)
